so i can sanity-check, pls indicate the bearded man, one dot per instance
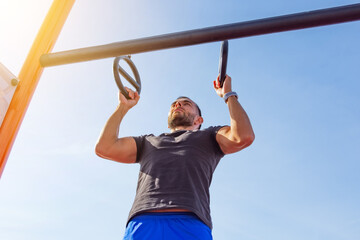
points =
(172, 199)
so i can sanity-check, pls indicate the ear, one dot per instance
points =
(198, 120)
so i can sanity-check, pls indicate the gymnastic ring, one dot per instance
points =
(119, 70)
(223, 61)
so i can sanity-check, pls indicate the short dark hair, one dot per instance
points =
(197, 106)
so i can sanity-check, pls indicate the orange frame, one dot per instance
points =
(30, 74)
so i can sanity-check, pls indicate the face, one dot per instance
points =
(183, 112)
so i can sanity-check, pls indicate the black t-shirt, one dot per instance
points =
(176, 171)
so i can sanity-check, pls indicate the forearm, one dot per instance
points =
(239, 134)
(110, 132)
(240, 127)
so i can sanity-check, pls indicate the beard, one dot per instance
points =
(181, 119)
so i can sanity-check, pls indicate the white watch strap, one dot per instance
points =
(229, 94)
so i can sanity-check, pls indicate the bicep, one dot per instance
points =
(123, 150)
(225, 141)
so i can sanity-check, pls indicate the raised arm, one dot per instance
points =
(109, 145)
(239, 134)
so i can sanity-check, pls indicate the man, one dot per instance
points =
(172, 197)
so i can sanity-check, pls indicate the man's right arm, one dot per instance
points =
(109, 145)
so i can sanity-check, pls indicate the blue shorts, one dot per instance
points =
(167, 226)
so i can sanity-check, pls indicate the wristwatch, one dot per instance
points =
(229, 94)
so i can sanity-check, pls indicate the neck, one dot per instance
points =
(177, 128)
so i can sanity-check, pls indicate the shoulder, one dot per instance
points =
(211, 133)
(142, 137)
(214, 129)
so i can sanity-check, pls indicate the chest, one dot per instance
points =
(185, 150)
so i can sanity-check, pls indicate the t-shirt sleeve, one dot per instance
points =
(139, 140)
(213, 131)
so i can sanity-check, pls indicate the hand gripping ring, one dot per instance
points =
(118, 69)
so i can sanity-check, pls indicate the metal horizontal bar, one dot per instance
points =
(205, 35)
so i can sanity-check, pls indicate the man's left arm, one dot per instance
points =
(239, 134)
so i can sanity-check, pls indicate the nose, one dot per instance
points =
(177, 104)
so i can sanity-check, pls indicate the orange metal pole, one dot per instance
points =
(30, 74)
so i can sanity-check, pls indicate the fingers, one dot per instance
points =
(226, 85)
(130, 92)
(136, 96)
(133, 95)
(122, 98)
(217, 82)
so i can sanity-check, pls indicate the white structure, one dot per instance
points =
(8, 83)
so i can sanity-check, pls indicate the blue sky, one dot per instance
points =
(299, 179)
